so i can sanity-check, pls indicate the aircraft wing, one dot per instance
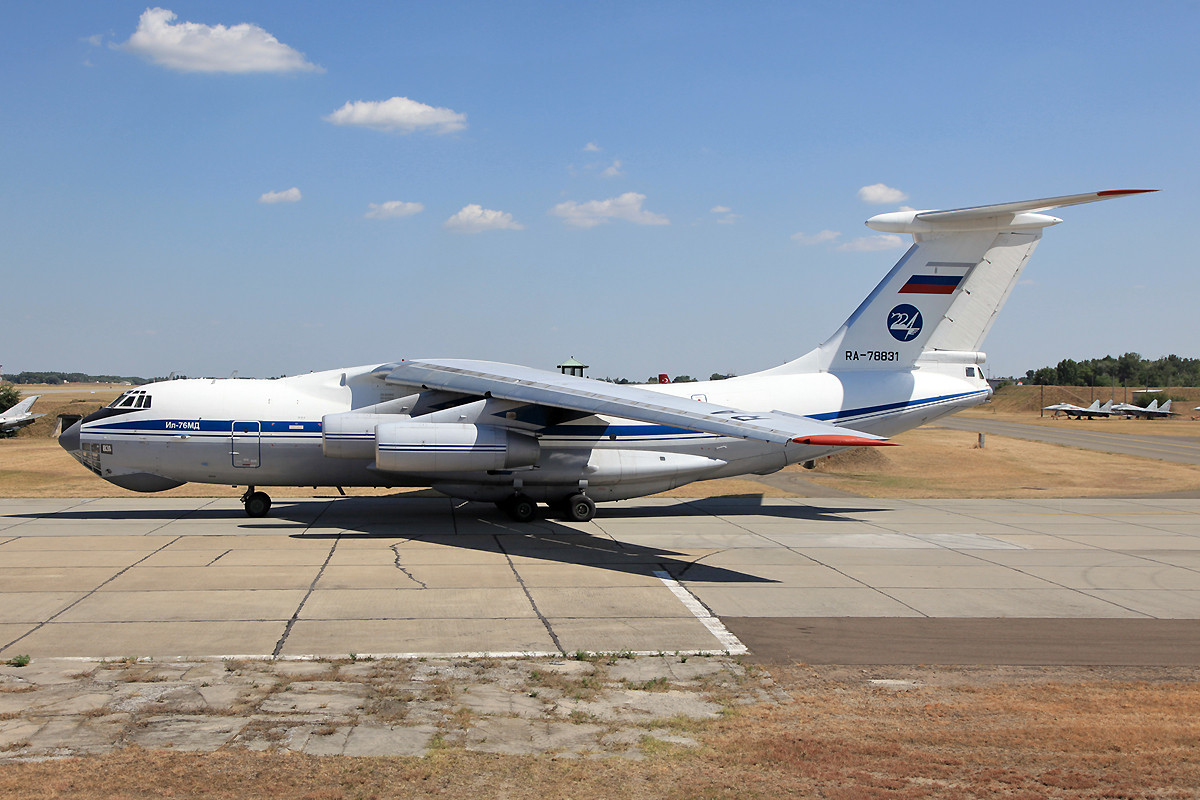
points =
(539, 387)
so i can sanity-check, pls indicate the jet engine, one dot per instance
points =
(451, 447)
(399, 444)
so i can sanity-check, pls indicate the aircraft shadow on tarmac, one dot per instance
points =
(548, 541)
(481, 527)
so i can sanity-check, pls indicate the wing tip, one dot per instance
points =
(838, 440)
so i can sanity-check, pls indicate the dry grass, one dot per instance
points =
(937, 462)
(951, 734)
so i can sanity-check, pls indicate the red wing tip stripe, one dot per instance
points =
(1114, 192)
(836, 440)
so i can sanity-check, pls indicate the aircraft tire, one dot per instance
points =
(520, 508)
(258, 504)
(580, 508)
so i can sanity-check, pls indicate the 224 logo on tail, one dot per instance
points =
(904, 322)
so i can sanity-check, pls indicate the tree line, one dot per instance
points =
(1129, 369)
(54, 378)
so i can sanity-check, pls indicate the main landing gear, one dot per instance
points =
(257, 503)
(577, 507)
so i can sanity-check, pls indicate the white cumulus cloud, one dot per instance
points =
(291, 195)
(626, 207)
(728, 217)
(613, 170)
(398, 114)
(474, 218)
(193, 47)
(815, 238)
(393, 209)
(872, 244)
(880, 194)
(591, 147)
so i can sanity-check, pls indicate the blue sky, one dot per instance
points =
(651, 187)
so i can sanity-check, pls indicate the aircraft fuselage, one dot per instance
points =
(272, 433)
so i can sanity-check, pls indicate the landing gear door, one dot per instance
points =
(245, 444)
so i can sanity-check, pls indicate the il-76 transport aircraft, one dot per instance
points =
(517, 436)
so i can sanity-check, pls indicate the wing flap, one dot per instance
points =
(526, 385)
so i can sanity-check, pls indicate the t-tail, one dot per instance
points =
(938, 303)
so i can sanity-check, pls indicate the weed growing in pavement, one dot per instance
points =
(18, 661)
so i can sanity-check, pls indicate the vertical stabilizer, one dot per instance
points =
(939, 301)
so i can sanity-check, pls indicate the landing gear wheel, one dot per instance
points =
(520, 508)
(580, 508)
(257, 504)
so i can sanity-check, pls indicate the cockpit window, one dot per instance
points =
(131, 399)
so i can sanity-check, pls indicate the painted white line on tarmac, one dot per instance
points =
(730, 643)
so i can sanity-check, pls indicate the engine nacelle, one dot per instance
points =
(351, 434)
(451, 447)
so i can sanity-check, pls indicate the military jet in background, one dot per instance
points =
(1079, 412)
(18, 416)
(1152, 411)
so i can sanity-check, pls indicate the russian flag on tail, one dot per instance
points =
(931, 284)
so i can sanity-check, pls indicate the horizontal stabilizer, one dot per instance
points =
(1022, 215)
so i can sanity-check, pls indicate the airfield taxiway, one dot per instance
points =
(840, 580)
(1182, 449)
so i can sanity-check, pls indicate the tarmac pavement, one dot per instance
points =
(196, 578)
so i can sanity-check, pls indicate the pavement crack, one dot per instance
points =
(396, 549)
(287, 629)
(79, 600)
(218, 558)
(529, 596)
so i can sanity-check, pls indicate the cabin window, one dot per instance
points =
(970, 372)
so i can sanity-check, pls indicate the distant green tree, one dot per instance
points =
(1129, 369)
(1067, 373)
(683, 379)
(1046, 376)
(9, 396)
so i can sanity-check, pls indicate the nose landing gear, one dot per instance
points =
(257, 503)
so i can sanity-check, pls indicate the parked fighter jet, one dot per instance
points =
(1152, 411)
(1079, 412)
(18, 416)
(518, 436)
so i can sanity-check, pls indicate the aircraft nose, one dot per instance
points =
(69, 439)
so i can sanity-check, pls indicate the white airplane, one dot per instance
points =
(518, 436)
(19, 416)
(1079, 412)
(1152, 411)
